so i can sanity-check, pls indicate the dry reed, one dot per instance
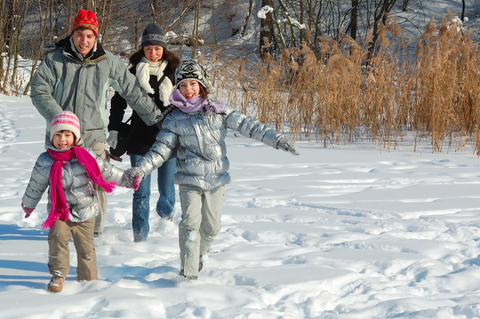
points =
(342, 96)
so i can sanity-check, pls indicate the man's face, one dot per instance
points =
(84, 40)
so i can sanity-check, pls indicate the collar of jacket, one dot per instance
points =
(66, 46)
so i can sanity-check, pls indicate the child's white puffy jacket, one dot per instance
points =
(201, 158)
(79, 189)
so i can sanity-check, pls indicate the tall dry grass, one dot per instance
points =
(342, 96)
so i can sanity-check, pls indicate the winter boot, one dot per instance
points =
(56, 284)
(187, 277)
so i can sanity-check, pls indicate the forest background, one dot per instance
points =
(331, 71)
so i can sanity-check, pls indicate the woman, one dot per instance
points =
(154, 66)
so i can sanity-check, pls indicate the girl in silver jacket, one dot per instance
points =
(70, 172)
(200, 126)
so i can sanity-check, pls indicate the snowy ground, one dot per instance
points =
(342, 232)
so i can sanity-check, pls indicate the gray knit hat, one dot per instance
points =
(153, 35)
(190, 70)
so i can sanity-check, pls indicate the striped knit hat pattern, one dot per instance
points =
(65, 121)
(86, 19)
(153, 35)
(191, 70)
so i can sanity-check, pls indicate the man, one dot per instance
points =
(76, 76)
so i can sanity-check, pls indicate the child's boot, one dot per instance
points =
(56, 284)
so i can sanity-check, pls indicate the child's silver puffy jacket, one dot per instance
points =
(201, 158)
(79, 190)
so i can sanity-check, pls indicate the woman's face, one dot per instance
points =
(153, 53)
(189, 88)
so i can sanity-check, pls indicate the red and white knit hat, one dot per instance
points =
(65, 121)
(86, 19)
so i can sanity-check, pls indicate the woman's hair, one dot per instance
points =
(170, 57)
(77, 142)
(204, 92)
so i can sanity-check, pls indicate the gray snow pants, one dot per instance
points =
(201, 212)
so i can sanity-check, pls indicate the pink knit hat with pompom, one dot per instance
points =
(65, 121)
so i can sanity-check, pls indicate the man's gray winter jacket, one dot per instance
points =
(202, 157)
(79, 189)
(65, 81)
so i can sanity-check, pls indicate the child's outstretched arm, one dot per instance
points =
(160, 151)
(252, 128)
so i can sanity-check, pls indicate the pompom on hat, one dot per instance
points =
(86, 19)
(65, 121)
(153, 35)
(191, 70)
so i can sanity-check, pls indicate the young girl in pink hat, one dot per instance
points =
(71, 173)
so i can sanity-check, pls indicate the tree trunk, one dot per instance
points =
(249, 15)
(104, 20)
(8, 26)
(69, 16)
(266, 33)
(195, 31)
(353, 20)
(19, 24)
(2, 38)
(380, 16)
(40, 51)
(153, 7)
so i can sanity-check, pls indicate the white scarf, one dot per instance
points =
(146, 68)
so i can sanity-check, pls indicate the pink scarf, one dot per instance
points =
(60, 208)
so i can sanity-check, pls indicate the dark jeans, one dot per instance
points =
(141, 198)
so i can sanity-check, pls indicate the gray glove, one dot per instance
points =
(112, 139)
(132, 177)
(288, 146)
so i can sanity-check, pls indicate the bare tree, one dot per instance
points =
(2, 38)
(153, 7)
(195, 30)
(19, 24)
(382, 8)
(247, 18)
(267, 41)
(353, 20)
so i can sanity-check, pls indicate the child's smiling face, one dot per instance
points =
(63, 139)
(189, 88)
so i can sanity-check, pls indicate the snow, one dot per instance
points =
(262, 13)
(348, 231)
